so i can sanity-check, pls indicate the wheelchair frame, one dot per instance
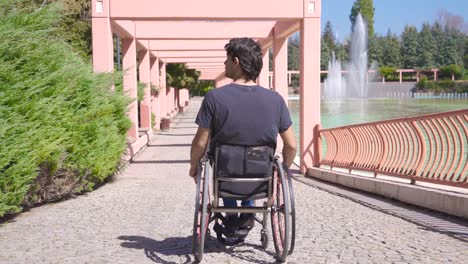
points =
(279, 204)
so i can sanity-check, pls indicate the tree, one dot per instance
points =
(294, 57)
(391, 51)
(75, 25)
(340, 52)
(439, 36)
(409, 45)
(426, 48)
(465, 52)
(451, 22)
(366, 8)
(324, 56)
(451, 49)
(180, 77)
(328, 36)
(375, 49)
(293, 53)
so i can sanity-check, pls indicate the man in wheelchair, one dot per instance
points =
(241, 117)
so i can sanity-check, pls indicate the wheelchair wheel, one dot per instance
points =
(201, 216)
(264, 239)
(263, 234)
(280, 214)
(293, 214)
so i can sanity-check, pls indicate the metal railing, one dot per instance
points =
(431, 148)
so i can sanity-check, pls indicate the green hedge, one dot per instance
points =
(442, 86)
(62, 130)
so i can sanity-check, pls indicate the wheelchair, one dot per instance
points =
(273, 187)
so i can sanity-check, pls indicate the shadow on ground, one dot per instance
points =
(156, 250)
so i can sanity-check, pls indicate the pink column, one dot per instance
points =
(162, 91)
(103, 49)
(401, 77)
(280, 66)
(155, 104)
(435, 75)
(176, 100)
(130, 83)
(310, 87)
(263, 78)
(145, 78)
(169, 101)
(280, 71)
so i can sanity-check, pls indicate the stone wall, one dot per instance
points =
(390, 89)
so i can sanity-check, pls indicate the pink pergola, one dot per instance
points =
(159, 32)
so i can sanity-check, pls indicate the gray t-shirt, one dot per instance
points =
(244, 115)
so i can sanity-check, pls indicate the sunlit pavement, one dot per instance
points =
(146, 216)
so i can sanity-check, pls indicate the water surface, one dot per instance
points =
(341, 112)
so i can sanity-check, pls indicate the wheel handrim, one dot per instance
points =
(279, 216)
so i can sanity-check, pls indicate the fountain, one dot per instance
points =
(355, 83)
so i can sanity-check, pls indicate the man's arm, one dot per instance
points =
(289, 148)
(199, 143)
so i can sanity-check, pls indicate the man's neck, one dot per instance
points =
(244, 81)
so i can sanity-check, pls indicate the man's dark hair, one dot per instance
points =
(249, 54)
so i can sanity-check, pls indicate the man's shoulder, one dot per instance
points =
(231, 89)
(269, 93)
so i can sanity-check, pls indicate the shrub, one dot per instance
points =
(461, 87)
(387, 71)
(422, 83)
(62, 130)
(447, 71)
(140, 91)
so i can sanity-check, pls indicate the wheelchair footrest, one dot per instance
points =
(230, 233)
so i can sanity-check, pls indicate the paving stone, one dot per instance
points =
(146, 216)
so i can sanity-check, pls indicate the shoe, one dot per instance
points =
(246, 221)
(231, 223)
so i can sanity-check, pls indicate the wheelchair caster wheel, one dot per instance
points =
(264, 239)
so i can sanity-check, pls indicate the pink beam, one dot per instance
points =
(202, 68)
(185, 30)
(208, 77)
(188, 44)
(193, 54)
(188, 59)
(205, 64)
(206, 9)
(125, 29)
(282, 29)
(199, 67)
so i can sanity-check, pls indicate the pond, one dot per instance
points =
(341, 112)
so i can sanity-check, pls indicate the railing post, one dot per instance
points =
(317, 146)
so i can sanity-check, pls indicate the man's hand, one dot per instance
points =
(193, 173)
(197, 150)
(289, 148)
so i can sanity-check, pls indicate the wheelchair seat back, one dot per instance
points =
(237, 163)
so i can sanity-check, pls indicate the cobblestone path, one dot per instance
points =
(146, 216)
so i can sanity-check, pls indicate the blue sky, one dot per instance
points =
(393, 14)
